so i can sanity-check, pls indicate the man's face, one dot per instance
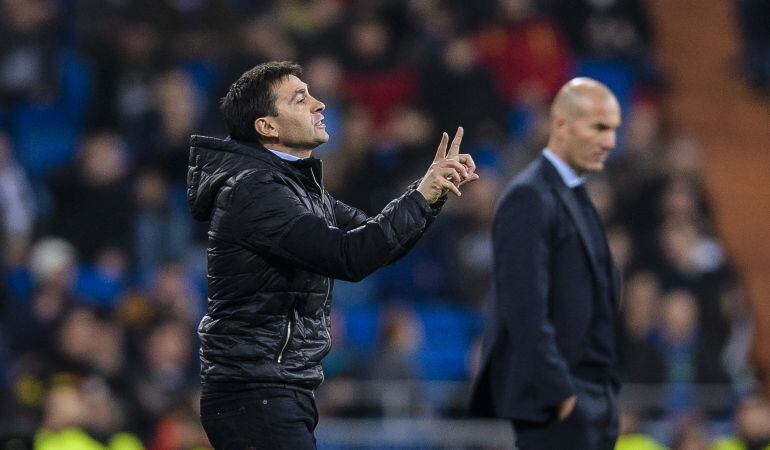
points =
(299, 123)
(590, 136)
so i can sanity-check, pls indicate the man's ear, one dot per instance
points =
(265, 127)
(558, 123)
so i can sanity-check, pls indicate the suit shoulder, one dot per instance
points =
(523, 199)
(528, 191)
(527, 186)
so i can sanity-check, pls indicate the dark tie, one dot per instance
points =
(582, 195)
(593, 221)
(599, 348)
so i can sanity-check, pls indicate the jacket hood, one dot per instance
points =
(212, 162)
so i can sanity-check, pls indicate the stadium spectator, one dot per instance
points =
(91, 199)
(525, 52)
(639, 358)
(756, 29)
(17, 203)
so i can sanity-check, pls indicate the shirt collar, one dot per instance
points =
(284, 156)
(568, 175)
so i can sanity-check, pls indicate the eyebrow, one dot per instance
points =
(298, 91)
(604, 124)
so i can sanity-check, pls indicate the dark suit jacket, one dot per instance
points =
(544, 285)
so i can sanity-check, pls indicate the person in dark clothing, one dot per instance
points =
(548, 357)
(97, 186)
(475, 104)
(276, 241)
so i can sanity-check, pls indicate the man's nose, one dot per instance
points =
(319, 106)
(609, 140)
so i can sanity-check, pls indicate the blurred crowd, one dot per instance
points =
(104, 270)
(754, 16)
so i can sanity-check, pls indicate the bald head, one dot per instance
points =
(578, 95)
(585, 117)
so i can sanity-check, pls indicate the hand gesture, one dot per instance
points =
(449, 170)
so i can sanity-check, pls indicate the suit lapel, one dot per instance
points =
(568, 199)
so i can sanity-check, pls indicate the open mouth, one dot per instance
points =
(320, 123)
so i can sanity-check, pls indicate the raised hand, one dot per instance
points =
(449, 170)
(465, 159)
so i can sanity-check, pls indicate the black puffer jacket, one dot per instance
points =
(276, 240)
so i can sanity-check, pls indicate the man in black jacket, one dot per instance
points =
(548, 357)
(277, 239)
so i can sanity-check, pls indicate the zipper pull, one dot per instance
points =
(320, 185)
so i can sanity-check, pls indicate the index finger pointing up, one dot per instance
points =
(441, 152)
(454, 149)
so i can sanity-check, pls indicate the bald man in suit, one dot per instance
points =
(548, 354)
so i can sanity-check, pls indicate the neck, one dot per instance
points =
(562, 154)
(298, 152)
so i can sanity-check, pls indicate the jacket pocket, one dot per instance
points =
(217, 414)
(285, 340)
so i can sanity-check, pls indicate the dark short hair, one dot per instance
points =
(252, 96)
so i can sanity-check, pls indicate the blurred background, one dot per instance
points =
(103, 269)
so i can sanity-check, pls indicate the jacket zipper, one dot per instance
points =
(323, 309)
(286, 343)
(328, 280)
(320, 188)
